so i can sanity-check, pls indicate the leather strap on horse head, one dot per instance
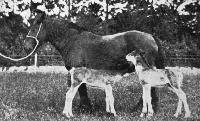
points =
(12, 59)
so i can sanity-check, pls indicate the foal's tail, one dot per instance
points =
(160, 58)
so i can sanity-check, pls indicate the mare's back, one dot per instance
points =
(100, 53)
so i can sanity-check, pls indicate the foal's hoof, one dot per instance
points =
(176, 115)
(68, 115)
(187, 115)
(109, 114)
(85, 104)
(149, 115)
(114, 114)
(142, 115)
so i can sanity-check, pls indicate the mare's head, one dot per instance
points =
(36, 34)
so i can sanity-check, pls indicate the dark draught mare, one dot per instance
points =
(80, 48)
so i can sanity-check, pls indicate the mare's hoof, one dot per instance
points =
(85, 108)
(85, 104)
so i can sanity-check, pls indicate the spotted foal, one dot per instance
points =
(94, 78)
(159, 78)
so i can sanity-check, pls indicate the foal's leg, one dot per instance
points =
(144, 108)
(107, 100)
(148, 96)
(68, 101)
(110, 100)
(70, 96)
(184, 99)
(179, 107)
(154, 100)
(84, 100)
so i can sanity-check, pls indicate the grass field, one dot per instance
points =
(41, 96)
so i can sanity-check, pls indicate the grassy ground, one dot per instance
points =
(40, 97)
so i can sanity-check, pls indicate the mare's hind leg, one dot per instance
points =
(84, 100)
(155, 99)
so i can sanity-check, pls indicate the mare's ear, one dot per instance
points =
(40, 16)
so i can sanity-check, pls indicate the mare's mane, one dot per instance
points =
(58, 27)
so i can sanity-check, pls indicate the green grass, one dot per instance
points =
(40, 97)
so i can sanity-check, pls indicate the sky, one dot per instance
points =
(26, 14)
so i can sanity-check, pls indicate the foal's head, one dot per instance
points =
(136, 59)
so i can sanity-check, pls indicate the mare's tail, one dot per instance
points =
(160, 58)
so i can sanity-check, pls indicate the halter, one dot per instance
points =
(33, 49)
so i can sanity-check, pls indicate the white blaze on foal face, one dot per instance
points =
(131, 58)
(134, 59)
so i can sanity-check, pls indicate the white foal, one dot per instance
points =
(159, 78)
(94, 78)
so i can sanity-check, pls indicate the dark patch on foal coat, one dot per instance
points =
(95, 76)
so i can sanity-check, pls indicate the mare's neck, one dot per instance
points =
(60, 34)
